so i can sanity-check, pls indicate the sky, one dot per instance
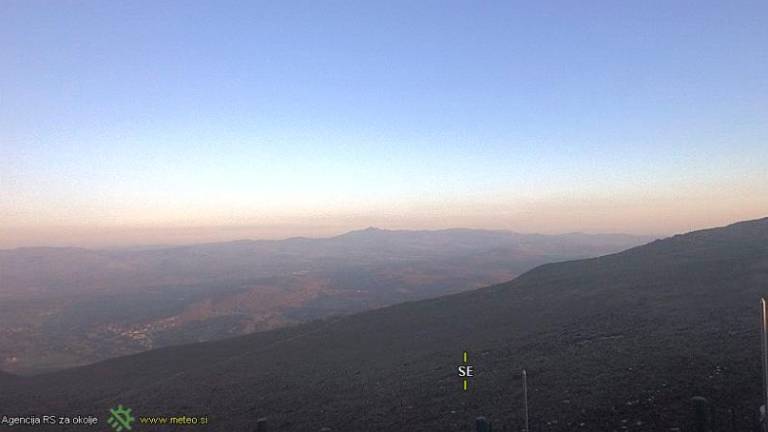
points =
(137, 122)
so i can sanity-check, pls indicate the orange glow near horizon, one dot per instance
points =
(659, 217)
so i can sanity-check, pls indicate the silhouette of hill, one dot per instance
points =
(619, 342)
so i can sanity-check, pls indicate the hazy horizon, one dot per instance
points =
(150, 235)
(127, 237)
(128, 123)
(158, 237)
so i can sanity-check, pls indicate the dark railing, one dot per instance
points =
(703, 419)
(706, 418)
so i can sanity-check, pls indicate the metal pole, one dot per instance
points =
(765, 361)
(525, 398)
(482, 425)
(702, 420)
(261, 425)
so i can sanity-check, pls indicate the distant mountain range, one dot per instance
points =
(62, 307)
(618, 342)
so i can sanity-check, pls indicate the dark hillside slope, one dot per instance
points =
(619, 342)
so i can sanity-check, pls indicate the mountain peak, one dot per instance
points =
(371, 230)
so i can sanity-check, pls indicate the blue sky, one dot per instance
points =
(535, 116)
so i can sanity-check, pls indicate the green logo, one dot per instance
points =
(120, 419)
